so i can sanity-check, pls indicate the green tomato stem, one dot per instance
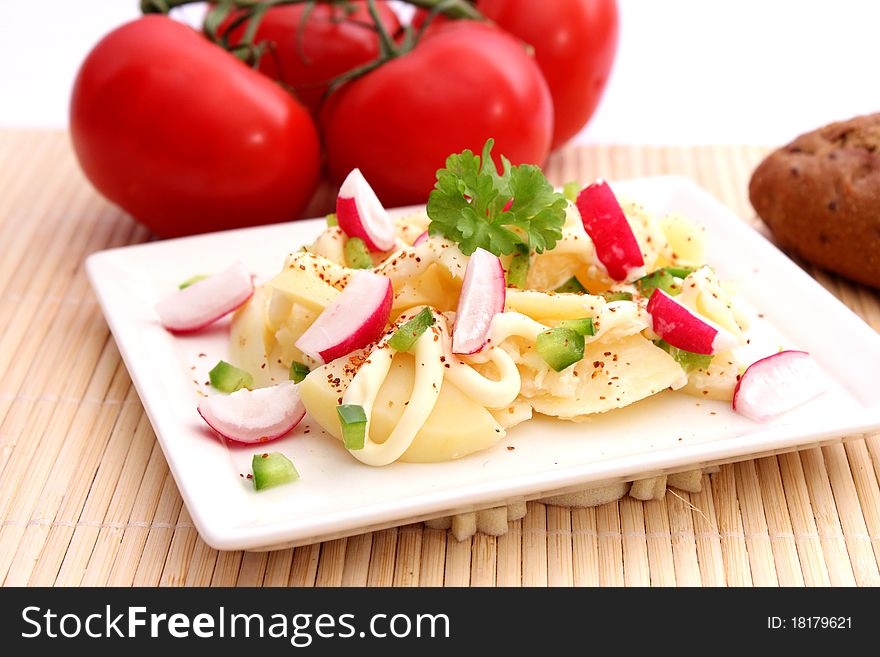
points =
(251, 12)
(451, 8)
(386, 43)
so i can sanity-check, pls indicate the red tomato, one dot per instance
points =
(464, 83)
(574, 42)
(333, 42)
(187, 138)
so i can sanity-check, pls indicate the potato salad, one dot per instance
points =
(428, 337)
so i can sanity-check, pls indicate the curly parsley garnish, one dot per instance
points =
(475, 206)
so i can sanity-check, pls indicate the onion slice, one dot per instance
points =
(606, 224)
(776, 384)
(482, 297)
(356, 318)
(681, 328)
(360, 213)
(206, 301)
(254, 416)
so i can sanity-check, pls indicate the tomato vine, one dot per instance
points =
(250, 13)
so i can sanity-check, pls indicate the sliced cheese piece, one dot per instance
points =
(305, 279)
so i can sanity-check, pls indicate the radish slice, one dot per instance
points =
(421, 238)
(360, 213)
(254, 416)
(606, 224)
(482, 297)
(777, 384)
(681, 328)
(206, 301)
(356, 318)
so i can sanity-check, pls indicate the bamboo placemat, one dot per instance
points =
(86, 496)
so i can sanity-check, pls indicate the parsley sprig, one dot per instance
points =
(475, 206)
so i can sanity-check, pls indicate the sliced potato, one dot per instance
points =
(279, 309)
(411, 226)
(542, 306)
(518, 411)
(250, 339)
(648, 234)
(593, 279)
(331, 245)
(439, 439)
(686, 239)
(611, 375)
(285, 351)
(552, 269)
(703, 292)
(434, 287)
(717, 381)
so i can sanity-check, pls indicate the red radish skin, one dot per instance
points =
(203, 303)
(483, 293)
(421, 238)
(776, 384)
(356, 318)
(681, 328)
(360, 213)
(254, 416)
(606, 224)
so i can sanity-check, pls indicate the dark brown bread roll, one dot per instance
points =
(820, 196)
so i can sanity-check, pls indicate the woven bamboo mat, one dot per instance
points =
(86, 497)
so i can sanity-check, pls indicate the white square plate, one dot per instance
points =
(338, 496)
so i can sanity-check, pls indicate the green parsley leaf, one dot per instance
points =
(475, 206)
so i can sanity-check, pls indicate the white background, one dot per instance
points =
(687, 71)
